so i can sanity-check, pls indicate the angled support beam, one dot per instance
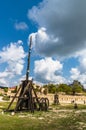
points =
(13, 98)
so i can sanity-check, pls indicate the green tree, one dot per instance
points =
(51, 88)
(5, 89)
(64, 88)
(76, 87)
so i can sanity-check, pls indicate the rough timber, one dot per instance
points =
(27, 99)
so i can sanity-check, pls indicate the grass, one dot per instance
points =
(59, 117)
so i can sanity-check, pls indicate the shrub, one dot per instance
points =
(5, 97)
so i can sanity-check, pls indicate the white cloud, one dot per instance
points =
(48, 70)
(13, 57)
(41, 40)
(21, 26)
(3, 82)
(39, 36)
(82, 61)
(79, 72)
(12, 52)
(65, 23)
(3, 74)
(74, 73)
(77, 75)
(20, 42)
(61, 33)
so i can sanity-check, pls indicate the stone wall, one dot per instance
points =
(72, 99)
(65, 98)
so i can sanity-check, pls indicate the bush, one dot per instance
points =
(5, 89)
(1, 94)
(5, 97)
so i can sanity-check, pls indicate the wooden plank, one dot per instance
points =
(13, 98)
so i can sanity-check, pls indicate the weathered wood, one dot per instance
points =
(26, 99)
(21, 97)
(13, 98)
(36, 96)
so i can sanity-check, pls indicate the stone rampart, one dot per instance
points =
(65, 98)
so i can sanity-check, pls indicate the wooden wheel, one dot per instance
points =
(44, 104)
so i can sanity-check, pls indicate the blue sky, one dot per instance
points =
(58, 30)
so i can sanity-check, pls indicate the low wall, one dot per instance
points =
(65, 98)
